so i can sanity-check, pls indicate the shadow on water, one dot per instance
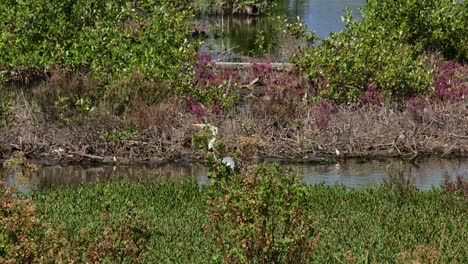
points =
(351, 173)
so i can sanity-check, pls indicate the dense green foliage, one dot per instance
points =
(354, 225)
(434, 24)
(112, 39)
(345, 65)
(383, 55)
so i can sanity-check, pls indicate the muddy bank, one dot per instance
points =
(319, 134)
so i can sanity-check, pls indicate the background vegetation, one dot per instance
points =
(386, 53)
(111, 43)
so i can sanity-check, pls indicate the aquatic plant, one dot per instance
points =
(354, 224)
(459, 185)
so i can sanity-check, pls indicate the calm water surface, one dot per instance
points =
(242, 35)
(351, 173)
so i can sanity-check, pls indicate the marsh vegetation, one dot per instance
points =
(261, 214)
(123, 81)
(113, 85)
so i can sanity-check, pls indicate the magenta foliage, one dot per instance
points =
(371, 96)
(284, 86)
(196, 108)
(200, 110)
(451, 80)
(206, 74)
(203, 72)
(261, 68)
(322, 112)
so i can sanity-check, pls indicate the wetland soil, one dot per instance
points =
(344, 132)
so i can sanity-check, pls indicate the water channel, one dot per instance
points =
(240, 36)
(355, 174)
(243, 35)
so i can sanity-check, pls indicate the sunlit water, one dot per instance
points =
(241, 35)
(353, 174)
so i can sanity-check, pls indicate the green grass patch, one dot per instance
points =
(365, 225)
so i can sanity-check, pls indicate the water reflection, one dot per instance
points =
(243, 35)
(238, 36)
(352, 174)
(321, 16)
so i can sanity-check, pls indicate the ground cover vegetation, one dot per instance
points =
(123, 79)
(258, 214)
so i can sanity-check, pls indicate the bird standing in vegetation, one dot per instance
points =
(227, 161)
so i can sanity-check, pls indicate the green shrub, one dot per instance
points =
(434, 24)
(257, 213)
(345, 65)
(260, 218)
(112, 39)
(71, 107)
(385, 51)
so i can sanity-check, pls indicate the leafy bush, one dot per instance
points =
(257, 215)
(18, 221)
(111, 39)
(434, 24)
(260, 218)
(346, 65)
(384, 54)
(26, 238)
(213, 88)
